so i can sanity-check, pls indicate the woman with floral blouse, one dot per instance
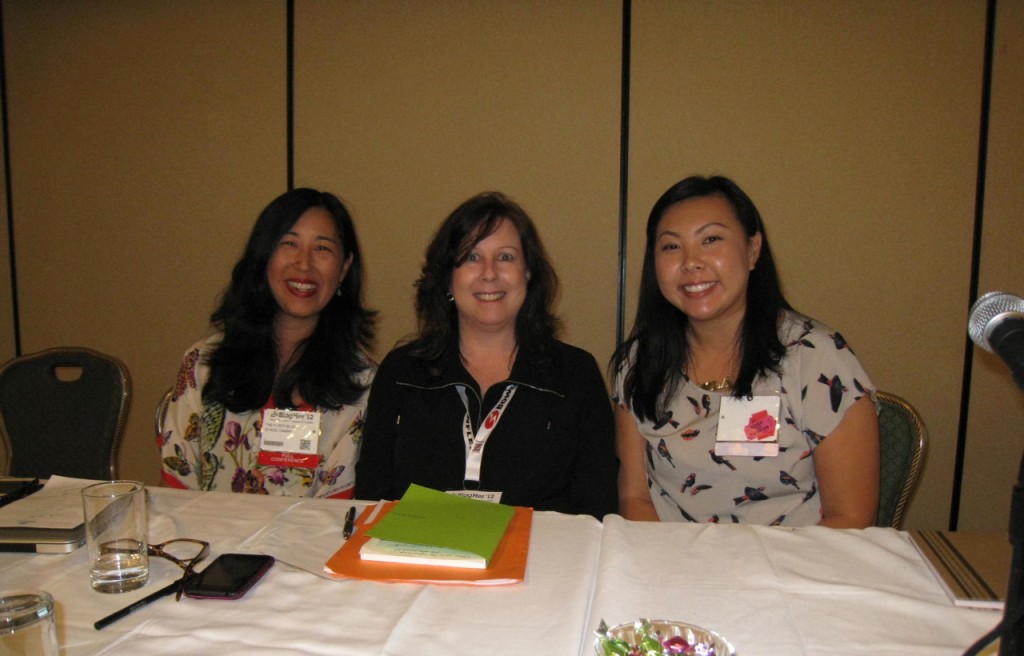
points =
(273, 401)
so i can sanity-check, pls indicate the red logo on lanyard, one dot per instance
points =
(491, 419)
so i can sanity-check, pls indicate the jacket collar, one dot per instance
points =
(526, 370)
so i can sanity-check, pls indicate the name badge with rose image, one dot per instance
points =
(749, 426)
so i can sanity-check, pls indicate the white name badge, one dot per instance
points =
(479, 495)
(748, 426)
(290, 431)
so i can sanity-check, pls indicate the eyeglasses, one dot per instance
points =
(165, 550)
(187, 565)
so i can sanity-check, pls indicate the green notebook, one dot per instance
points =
(428, 517)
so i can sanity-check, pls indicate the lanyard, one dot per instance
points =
(475, 443)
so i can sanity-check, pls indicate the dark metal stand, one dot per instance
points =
(1010, 630)
(1012, 639)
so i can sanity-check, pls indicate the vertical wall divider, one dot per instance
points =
(290, 92)
(620, 321)
(979, 211)
(15, 314)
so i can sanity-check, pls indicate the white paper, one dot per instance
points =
(387, 551)
(57, 505)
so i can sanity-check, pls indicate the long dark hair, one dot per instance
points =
(243, 368)
(471, 222)
(657, 350)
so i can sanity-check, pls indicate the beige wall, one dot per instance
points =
(854, 128)
(146, 136)
(406, 109)
(996, 426)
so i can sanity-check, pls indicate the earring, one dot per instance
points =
(338, 292)
(449, 297)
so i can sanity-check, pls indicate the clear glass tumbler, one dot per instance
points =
(27, 625)
(115, 530)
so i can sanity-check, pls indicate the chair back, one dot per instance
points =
(161, 411)
(63, 411)
(903, 439)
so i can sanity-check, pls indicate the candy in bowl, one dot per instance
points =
(659, 638)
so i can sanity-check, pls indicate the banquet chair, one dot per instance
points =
(903, 439)
(63, 412)
(161, 410)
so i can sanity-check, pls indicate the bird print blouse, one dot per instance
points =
(821, 378)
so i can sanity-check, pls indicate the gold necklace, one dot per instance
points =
(715, 385)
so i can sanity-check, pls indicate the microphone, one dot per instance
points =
(997, 325)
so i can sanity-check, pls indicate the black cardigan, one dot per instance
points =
(553, 449)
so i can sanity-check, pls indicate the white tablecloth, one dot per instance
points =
(809, 591)
(767, 590)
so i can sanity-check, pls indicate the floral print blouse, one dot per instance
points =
(207, 447)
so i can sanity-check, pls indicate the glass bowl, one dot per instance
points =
(676, 637)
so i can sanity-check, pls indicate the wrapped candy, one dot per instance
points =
(658, 638)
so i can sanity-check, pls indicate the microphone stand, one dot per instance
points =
(1012, 641)
(1010, 630)
(997, 325)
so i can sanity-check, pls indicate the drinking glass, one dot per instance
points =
(115, 530)
(27, 626)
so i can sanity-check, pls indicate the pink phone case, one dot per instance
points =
(239, 579)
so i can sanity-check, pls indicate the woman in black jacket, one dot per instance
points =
(485, 400)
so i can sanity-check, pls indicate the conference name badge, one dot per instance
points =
(290, 438)
(479, 495)
(748, 426)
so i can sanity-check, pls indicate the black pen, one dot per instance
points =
(350, 523)
(165, 591)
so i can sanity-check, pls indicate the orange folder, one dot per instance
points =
(507, 566)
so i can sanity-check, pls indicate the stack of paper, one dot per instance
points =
(430, 536)
(388, 551)
(973, 568)
(47, 521)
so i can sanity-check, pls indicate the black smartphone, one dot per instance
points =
(229, 576)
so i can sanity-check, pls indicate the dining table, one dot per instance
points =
(811, 591)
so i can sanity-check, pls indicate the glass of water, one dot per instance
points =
(115, 530)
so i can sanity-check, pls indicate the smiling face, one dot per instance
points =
(703, 259)
(490, 286)
(305, 269)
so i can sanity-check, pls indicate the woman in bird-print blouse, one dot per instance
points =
(730, 406)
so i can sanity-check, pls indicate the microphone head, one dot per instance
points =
(986, 309)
